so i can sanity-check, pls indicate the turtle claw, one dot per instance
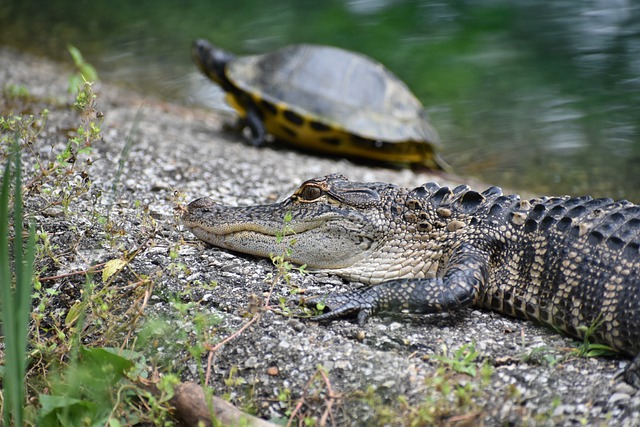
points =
(255, 124)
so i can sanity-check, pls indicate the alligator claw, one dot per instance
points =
(362, 304)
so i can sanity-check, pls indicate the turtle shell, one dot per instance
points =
(332, 100)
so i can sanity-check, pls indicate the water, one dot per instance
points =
(530, 95)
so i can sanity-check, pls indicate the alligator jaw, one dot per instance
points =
(211, 222)
(261, 231)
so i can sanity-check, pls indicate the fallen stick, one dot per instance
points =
(191, 407)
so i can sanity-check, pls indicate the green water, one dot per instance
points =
(531, 95)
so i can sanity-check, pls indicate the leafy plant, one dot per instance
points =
(540, 355)
(84, 391)
(448, 396)
(284, 267)
(12, 91)
(80, 369)
(24, 128)
(589, 348)
(85, 72)
(462, 360)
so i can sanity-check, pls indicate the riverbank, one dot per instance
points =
(122, 203)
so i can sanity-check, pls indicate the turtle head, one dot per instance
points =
(212, 61)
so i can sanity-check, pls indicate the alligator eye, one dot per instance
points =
(310, 193)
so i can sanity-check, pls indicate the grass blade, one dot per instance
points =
(15, 303)
(9, 386)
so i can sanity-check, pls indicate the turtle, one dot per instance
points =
(325, 99)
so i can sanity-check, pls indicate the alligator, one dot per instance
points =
(565, 262)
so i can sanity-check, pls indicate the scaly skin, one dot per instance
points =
(563, 262)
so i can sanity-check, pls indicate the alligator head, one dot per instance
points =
(351, 229)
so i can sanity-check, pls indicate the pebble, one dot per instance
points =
(284, 344)
(343, 364)
(53, 212)
(251, 362)
(395, 326)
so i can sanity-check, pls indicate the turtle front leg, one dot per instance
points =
(256, 125)
(457, 288)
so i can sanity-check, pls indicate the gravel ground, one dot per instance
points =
(180, 153)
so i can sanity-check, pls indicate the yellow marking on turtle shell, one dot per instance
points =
(343, 142)
(235, 104)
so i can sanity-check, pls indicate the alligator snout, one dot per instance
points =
(198, 209)
(201, 203)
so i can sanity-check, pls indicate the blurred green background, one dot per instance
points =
(541, 96)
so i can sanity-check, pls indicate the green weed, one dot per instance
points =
(16, 293)
(63, 178)
(84, 71)
(540, 355)
(588, 348)
(23, 128)
(461, 361)
(13, 91)
(452, 394)
(283, 267)
(78, 367)
(90, 389)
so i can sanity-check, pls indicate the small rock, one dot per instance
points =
(284, 344)
(194, 276)
(53, 212)
(394, 326)
(506, 360)
(558, 411)
(343, 364)
(297, 325)
(251, 362)
(159, 186)
(380, 327)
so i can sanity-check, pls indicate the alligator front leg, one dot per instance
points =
(457, 288)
